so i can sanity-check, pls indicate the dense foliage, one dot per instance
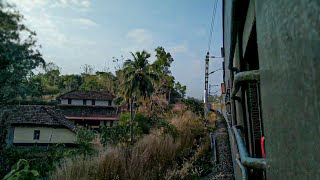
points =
(84, 137)
(194, 105)
(41, 159)
(19, 55)
(21, 171)
(120, 133)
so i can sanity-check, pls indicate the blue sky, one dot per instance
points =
(77, 32)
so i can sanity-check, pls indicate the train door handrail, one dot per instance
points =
(245, 76)
(258, 163)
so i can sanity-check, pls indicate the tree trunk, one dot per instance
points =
(131, 121)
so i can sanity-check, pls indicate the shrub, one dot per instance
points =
(143, 122)
(85, 136)
(21, 171)
(114, 135)
(41, 159)
(120, 133)
(195, 105)
(140, 120)
(167, 127)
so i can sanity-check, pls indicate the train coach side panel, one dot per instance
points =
(288, 35)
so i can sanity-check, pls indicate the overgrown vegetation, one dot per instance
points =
(84, 138)
(21, 171)
(194, 105)
(157, 155)
(41, 159)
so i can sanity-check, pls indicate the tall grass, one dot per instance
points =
(147, 159)
(79, 167)
(155, 156)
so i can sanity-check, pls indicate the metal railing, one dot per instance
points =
(245, 76)
(257, 163)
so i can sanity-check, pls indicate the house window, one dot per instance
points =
(111, 123)
(36, 135)
(109, 103)
(69, 101)
(84, 102)
(93, 102)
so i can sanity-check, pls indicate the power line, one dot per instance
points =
(212, 22)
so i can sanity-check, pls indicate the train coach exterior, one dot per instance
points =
(271, 72)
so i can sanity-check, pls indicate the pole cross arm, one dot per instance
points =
(215, 71)
(246, 76)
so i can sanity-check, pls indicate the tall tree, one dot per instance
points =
(19, 55)
(52, 74)
(138, 80)
(162, 66)
(180, 90)
(139, 77)
(107, 81)
(87, 69)
(70, 82)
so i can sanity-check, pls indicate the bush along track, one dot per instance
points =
(177, 148)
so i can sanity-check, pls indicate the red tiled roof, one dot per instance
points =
(79, 94)
(92, 118)
(37, 115)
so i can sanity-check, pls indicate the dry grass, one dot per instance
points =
(189, 127)
(80, 167)
(152, 157)
(147, 159)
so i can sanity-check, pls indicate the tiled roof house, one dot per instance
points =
(29, 124)
(89, 108)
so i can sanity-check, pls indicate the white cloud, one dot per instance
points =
(138, 39)
(82, 5)
(85, 22)
(180, 48)
(47, 30)
(140, 36)
(32, 5)
(29, 5)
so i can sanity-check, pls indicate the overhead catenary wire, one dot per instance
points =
(212, 23)
(207, 62)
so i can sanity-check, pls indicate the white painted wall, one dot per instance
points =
(107, 123)
(77, 102)
(102, 103)
(64, 101)
(89, 102)
(47, 135)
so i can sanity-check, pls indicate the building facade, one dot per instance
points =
(40, 125)
(94, 109)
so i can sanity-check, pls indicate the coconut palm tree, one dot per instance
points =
(138, 79)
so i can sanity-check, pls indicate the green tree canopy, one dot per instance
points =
(19, 54)
(138, 76)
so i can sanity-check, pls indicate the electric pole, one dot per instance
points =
(206, 88)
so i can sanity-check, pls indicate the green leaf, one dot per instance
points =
(9, 174)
